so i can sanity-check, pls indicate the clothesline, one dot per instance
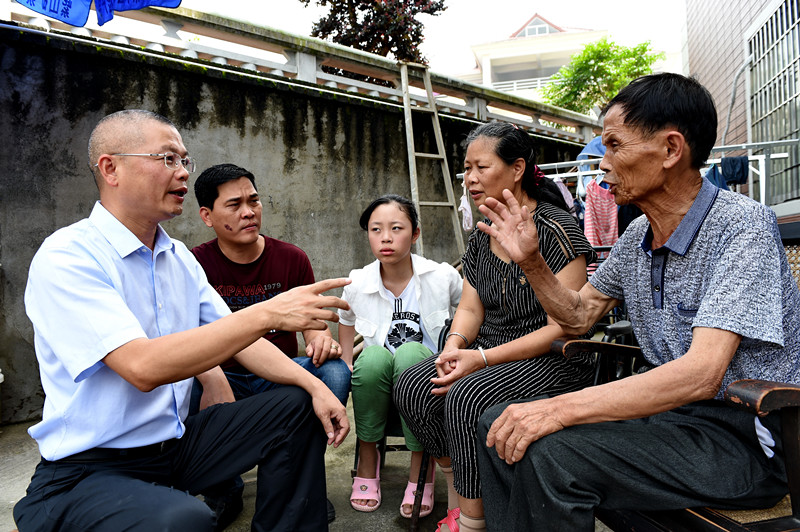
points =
(585, 162)
(751, 158)
(761, 169)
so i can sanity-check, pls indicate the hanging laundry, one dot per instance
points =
(600, 219)
(466, 209)
(715, 176)
(564, 192)
(735, 170)
(580, 189)
(580, 210)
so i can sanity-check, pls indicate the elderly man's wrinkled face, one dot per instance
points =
(633, 161)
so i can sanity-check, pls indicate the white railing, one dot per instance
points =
(219, 43)
(763, 164)
(522, 84)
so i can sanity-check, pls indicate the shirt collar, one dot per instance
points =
(120, 237)
(421, 265)
(374, 282)
(683, 236)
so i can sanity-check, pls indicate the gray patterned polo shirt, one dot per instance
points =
(724, 267)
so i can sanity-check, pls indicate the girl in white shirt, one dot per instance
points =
(399, 304)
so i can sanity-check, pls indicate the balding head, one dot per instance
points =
(119, 132)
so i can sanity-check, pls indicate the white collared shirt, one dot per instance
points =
(438, 290)
(93, 287)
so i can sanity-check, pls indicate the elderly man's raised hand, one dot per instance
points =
(305, 307)
(512, 227)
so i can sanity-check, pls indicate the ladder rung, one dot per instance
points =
(436, 204)
(427, 106)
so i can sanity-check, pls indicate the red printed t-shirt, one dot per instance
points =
(281, 267)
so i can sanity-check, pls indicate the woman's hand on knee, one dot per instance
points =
(454, 365)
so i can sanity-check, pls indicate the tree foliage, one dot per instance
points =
(596, 74)
(380, 27)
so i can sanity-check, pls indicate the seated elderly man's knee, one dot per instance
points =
(492, 413)
(488, 417)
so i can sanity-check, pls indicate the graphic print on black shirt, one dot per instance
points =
(404, 328)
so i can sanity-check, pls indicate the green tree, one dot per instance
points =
(596, 74)
(380, 27)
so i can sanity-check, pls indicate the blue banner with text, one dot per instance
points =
(76, 12)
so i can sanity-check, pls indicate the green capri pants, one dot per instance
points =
(374, 373)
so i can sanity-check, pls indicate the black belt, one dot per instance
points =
(104, 454)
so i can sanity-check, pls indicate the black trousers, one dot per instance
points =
(701, 454)
(276, 430)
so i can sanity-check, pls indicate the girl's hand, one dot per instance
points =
(453, 365)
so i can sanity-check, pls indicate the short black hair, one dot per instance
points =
(206, 187)
(658, 101)
(403, 203)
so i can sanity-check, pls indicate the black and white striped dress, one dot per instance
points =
(446, 426)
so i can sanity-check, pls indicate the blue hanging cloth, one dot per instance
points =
(735, 170)
(76, 12)
(715, 176)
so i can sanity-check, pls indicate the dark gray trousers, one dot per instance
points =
(276, 430)
(701, 454)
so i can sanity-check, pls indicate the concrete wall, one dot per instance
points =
(319, 156)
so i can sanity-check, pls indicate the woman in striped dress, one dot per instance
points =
(498, 346)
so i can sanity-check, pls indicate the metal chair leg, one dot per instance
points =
(423, 475)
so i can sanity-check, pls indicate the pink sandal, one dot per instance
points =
(450, 521)
(427, 497)
(367, 489)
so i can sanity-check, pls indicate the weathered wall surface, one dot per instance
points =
(319, 157)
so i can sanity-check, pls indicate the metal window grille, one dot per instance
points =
(775, 94)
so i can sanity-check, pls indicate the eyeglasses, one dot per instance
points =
(172, 160)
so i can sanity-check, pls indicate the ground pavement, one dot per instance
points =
(19, 455)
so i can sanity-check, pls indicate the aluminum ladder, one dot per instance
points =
(409, 108)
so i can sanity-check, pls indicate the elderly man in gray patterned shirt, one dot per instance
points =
(711, 299)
